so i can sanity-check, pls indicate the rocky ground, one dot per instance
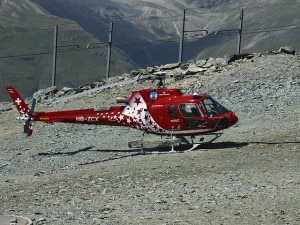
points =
(80, 174)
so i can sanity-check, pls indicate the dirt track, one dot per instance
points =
(70, 174)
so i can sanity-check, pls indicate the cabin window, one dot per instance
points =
(172, 111)
(212, 107)
(189, 110)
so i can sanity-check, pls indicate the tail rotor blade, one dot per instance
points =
(28, 123)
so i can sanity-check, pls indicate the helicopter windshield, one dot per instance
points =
(212, 107)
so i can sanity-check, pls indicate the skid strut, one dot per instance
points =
(154, 143)
(171, 142)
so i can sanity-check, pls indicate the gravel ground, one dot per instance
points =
(80, 174)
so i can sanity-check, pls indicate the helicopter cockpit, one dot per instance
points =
(195, 114)
(212, 107)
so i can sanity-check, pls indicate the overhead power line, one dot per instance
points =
(71, 48)
(153, 42)
(25, 55)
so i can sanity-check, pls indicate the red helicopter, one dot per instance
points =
(162, 111)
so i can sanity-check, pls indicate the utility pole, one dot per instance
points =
(109, 49)
(54, 55)
(181, 37)
(240, 32)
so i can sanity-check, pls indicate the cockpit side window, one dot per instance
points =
(172, 111)
(190, 110)
(212, 107)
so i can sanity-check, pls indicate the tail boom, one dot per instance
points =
(23, 109)
(18, 101)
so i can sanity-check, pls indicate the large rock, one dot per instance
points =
(170, 66)
(45, 93)
(210, 62)
(200, 62)
(220, 62)
(287, 50)
(193, 69)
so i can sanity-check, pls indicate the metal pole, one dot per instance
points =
(181, 37)
(240, 32)
(54, 55)
(109, 49)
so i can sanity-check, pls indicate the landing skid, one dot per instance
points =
(193, 147)
(154, 143)
(172, 142)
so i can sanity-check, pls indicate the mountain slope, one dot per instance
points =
(143, 28)
(26, 43)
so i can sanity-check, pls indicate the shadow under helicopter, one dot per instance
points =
(180, 148)
(163, 150)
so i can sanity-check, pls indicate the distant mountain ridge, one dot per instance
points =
(144, 28)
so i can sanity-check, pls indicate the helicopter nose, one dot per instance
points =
(233, 119)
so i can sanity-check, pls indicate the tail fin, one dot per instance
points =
(23, 109)
(19, 102)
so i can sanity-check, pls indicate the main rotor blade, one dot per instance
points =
(28, 121)
(65, 98)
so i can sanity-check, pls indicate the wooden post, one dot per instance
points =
(54, 55)
(240, 32)
(109, 49)
(181, 37)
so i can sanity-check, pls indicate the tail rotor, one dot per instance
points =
(25, 113)
(28, 127)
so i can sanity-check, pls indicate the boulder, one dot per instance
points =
(200, 62)
(220, 62)
(193, 69)
(170, 66)
(287, 50)
(210, 62)
(50, 91)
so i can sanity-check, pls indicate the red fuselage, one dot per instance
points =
(158, 111)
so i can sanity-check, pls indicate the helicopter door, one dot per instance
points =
(192, 116)
(175, 121)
